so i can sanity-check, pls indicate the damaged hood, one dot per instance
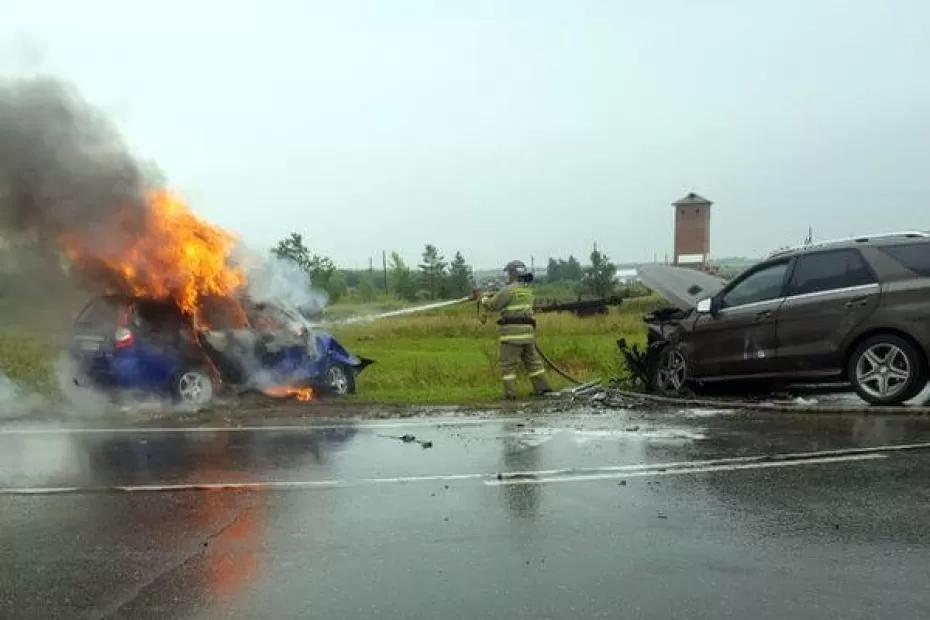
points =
(681, 287)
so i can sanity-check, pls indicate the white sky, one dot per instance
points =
(513, 128)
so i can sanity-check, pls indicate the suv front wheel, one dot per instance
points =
(887, 370)
(668, 372)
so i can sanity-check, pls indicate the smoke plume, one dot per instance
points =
(64, 169)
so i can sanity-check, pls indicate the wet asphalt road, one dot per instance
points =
(665, 514)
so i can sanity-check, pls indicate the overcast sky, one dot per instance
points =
(512, 128)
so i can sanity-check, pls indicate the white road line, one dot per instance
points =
(509, 478)
(684, 470)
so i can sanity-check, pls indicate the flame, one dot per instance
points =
(176, 255)
(302, 394)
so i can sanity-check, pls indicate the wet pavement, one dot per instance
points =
(662, 514)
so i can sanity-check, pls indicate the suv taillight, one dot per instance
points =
(123, 337)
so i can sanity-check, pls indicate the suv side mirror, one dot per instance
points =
(706, 305)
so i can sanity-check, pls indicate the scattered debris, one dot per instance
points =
(408, 438)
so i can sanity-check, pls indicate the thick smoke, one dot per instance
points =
(15, 401)
(64, 169)
(283, 283)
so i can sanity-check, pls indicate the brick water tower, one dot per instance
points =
(692, 230)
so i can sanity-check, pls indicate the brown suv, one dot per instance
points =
(856, 310)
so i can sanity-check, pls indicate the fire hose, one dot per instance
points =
(555, 368)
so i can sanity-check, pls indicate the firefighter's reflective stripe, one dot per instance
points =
(520, 303)
(518, 338)
(537, 373)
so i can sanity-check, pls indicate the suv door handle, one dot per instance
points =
(858, 302)
(765, 314)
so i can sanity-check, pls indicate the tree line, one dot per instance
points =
(434, 277)
(597, 279)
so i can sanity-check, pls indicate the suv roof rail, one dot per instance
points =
(907, 234)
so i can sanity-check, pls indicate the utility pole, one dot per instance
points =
(532, 264)
(384, 269)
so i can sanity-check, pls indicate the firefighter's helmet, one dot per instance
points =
(515, 268)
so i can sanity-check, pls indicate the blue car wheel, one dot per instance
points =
(193, 388)
(340, 379)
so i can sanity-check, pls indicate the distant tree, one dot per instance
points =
(336, 286)
(293, 249)
(319, 268)
(461, 279)
(599, 277)
(553, 271)
(366, 287)
(559, 270)
(433, 271)
(401, 279)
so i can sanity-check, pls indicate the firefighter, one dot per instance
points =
(514, 302)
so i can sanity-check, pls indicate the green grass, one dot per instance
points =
(448, 357)
(28, 360)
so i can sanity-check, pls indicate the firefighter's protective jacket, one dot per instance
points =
(515, 304)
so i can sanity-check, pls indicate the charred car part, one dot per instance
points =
(855, 310)
(125, 343)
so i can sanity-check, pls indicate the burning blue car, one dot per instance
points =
(131, 344)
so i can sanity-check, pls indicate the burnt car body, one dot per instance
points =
(854, 310)
(130, 344)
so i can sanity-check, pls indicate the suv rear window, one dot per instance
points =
(915, 257)
(826, 271)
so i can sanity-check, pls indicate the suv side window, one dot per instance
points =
(762, 285)
(826, 271)
(915, 257)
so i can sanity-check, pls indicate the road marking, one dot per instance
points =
(510, 478)
(517, 480)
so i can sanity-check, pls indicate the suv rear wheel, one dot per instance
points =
(887, 370)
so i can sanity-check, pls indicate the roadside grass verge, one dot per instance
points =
(29, 361)
(448, 357)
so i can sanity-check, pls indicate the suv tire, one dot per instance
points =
(886, 369)
(668, 372)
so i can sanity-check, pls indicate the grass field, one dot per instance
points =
(448, 357)
(442, 357)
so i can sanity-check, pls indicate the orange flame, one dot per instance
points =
(176, 256)
(301, 394)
